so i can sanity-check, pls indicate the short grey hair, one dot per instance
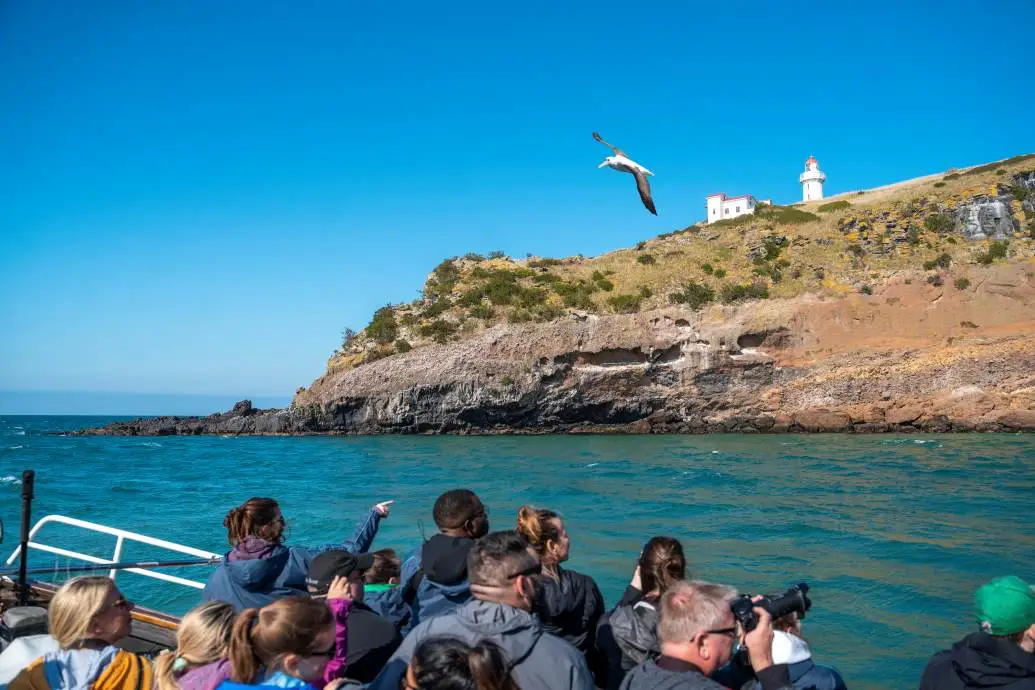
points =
(691, 608)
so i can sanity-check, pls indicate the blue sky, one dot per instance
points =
(199, 196)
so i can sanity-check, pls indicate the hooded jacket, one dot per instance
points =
(438, 574)
(981, 661)
(537, 658)
(627, 637)
(108, 668)
(805, 673)
(666, 673)
(570, 607)
(256, 573)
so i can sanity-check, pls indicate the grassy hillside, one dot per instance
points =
(850, 243)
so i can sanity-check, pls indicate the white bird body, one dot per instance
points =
(622, 163)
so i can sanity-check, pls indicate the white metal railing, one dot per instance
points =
(121, 536)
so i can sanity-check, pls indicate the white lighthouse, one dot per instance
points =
(812, 181)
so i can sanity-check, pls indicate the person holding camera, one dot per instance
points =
(789, 647)
(697, 630)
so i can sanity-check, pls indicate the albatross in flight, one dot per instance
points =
(623, 163)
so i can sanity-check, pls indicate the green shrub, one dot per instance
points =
(440, 331)
(962, 283)
(943, 261)
(549, 312)
(546, 278)
(383, 327)
(952, 176)
(625, 304)
(348, 337)
(939, 184)
(597, 275)
(720, 273)
(936, 280)
(531, 297)
(408, 319)
(707, 268)
(497, 254)
(1020, 193)
(480, 273)
(646, 292)
(950, 240)
(1031, 228)
(1000, 171)
(640, 246)
(575, 295)
(502, 287)
(857, 250)
(443, 279)
(694, 295)
(940, 223)
(506, 381)
(645, 259)
(605, 285)
(913, 235)
(784, 215)
(402, 346)
(996, 250)
(544, 263)
(782, 263)
(968, 324)
(833, 206)
(482, 311)
(519, 316)
(866, 290)
(737, 293)
(773, 247)
(471, 256)
(437, 308)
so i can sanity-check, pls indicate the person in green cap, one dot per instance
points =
(1002, 653)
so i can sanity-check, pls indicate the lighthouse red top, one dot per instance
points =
(811, 161)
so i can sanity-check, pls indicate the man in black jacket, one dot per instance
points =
(697, 632)
(1002, 654)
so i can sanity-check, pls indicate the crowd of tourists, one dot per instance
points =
(470, 609)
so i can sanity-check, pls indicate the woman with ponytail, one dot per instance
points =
(259, 569)
(202, 640)
(287, 644)
(569, 604)
(446, 663)
(628, 636)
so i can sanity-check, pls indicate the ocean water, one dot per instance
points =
(893, 533)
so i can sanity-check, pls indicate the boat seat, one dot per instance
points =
(21, 621)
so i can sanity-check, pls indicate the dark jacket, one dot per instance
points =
(372, 641)
(434, 583)
(627, 637)
(981, 661)
(538, 659)
(570, 607)
(666, 673)
(260, 574)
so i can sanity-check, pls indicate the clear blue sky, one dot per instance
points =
(198, 196)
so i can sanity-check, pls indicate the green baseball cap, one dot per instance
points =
(1005, 606)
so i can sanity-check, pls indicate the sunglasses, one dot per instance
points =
(535, 569)
(731, 632)
(121, 603)
(329, 652)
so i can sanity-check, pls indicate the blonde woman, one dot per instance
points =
(199, 661)
(87, 616)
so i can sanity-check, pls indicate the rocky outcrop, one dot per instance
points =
(910, 357)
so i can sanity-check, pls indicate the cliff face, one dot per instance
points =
(896, 315)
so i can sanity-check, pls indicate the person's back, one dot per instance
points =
(259, 569)
(805, 673)
(1002, 654)
(434, 576)
(569, 604)
(501, 569)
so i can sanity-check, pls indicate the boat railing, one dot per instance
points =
(121, 537)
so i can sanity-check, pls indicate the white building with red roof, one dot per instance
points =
(722, 207)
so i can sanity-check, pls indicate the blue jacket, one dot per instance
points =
(280, 573)
(277, 680)
(805, 673)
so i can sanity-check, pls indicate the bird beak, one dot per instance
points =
(603, 165)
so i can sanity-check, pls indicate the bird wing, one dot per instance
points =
(617, 151)
(644, 188)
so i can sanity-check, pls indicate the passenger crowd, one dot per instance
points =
(469, 609)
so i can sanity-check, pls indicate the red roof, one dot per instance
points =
(729, 198)
(811, 160)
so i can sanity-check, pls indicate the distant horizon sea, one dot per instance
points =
(893, 533)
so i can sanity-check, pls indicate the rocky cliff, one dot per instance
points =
(907, 309)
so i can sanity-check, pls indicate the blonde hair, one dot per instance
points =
(202, 637)
(691, 608)
(74, 607)
(538, 527)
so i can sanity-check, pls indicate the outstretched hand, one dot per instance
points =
(384, 508)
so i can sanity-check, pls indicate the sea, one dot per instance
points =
(892, 533)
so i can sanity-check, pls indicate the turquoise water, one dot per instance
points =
(893, 533)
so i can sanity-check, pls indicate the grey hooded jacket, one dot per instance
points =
(537, 658)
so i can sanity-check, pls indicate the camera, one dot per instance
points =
(795, 599)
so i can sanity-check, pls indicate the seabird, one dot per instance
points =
(623, 163)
